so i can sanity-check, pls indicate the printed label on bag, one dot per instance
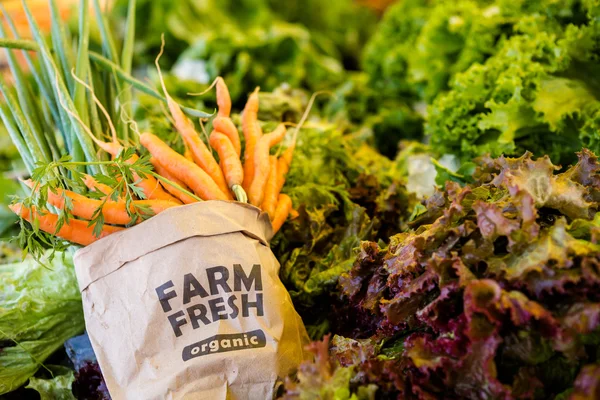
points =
(224, 343)
(206, 305)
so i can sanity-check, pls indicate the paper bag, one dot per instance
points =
(189, 305)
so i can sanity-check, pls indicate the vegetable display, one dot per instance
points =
(431, 180)
(201, 178)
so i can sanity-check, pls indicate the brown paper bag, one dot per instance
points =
(189, 305)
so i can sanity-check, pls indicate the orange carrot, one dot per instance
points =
(114, 212)
(200, 153)
(294, 214)
(111, 148)
(251, 135)
(285, 161)
(262, 165)
(227, 127)
(150, 185)
(284, 206)
(261, 171)
(277, 135)
(187, 153)
(270, 199)
(75, 230)
(230, 162)
(283, 166)
(181, 168)
(92, 184)
(223, 98)
(288, 155)
(185, 198)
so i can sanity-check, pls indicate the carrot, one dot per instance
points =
(230, 162)
(115, 212)
(227, 127)
(284, 206)
(285, 161)
(150, 185)
(92, 184)
(187, 153)
(262, 165)
(261, 172)
(283, 166)
(251, 135)
(185, 198)
(294, 214)
(288, 155)
(181, 168)
(75, 230)
(223, 98)
(277, 135)
(201, 155)
(270, 199)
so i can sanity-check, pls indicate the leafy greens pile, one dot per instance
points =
(40, 308)
(253, 43)
(494, 293)
(500, 77)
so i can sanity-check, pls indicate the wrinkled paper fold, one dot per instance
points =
(189, 305)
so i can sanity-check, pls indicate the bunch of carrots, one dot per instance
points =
(180, 179)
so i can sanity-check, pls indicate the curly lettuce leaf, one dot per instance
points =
(491, 293)
(323, 378)
(532, 94)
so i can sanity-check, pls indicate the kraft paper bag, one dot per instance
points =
(189, 305)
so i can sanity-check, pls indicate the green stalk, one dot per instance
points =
(61, 44)
(108, 43)
(30, 109)
(108, 66)
(110, 50)
(95, 122)
(40, 78)
(17, 138)
(126, 62)
(139, 85)
(61, 89)
(79, 95)
(34, 140)
(18, 44)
